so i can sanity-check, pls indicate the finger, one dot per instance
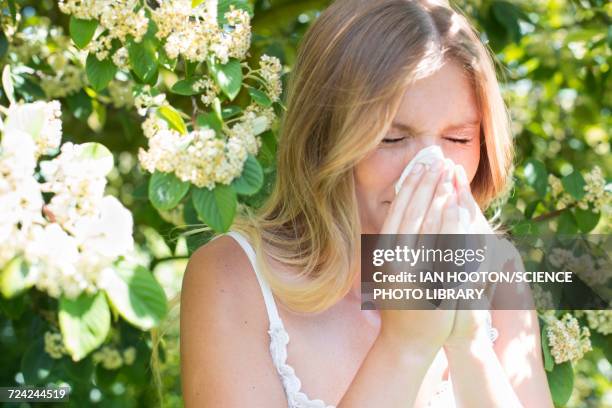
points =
(421, 199)
(433, 217)
(451, 217)
(401, 200)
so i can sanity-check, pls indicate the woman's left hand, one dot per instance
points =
(469, 325)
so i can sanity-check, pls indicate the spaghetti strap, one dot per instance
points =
(275, 320)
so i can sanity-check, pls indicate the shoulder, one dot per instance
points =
(219, 278)
(224, 343)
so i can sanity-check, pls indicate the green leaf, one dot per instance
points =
(574, 184)
(14, 278)
(230, 111)
(186, 86)
(267, 153)
(36, 364)
(251, 179)
(99, 72)
(80, 104)
(586, 219)
(209, 120)
(98, 153)
(13, 308)
(536, 176)
(143, 60)
(82, 31)
(260, 97)
(549, 363)
(137, 296)
(561, 382)
(196, 3)
(84, 323)
(216, 105)
(566, 223)
(7, 84)
(174, 119)
(508, 14)
(602, 342)
(3, 44)
(216, 207)
(227, 76)
(166, 190)
(530, 209)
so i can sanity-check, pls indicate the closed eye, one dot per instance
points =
(460, 141)
(393, 140)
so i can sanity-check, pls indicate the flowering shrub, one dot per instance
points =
(124, 120)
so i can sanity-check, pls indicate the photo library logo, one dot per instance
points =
(486, 271)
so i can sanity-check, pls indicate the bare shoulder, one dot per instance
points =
(225, 358)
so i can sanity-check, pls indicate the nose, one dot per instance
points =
(419, 144)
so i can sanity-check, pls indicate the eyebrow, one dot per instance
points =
(412, 130)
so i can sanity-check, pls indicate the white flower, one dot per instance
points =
(567, 341)
(109, 232)
(41, 120)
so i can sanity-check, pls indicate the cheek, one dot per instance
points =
(376, 173)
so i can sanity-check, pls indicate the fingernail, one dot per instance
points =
(418, 168)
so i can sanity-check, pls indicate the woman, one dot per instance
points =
(374, 83)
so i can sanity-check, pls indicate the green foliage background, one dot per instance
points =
(554, 62)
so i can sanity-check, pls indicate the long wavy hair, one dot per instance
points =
(352, 69)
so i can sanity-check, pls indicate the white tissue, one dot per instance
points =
(427, 155)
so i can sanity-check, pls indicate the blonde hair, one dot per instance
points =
(352, 68)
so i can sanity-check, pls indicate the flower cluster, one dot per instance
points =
(566, 339)
(208, 88)
(598, 320)
(147, 98)
(54, 345)
(543, 299)
(51, 48)
(119, 19)
(593, 271)
(193, 32)
(270, 70)
(595, 189)
(198, 157)
(120, 93)
(112, 358)
(69, 240)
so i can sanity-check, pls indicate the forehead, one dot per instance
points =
(444, 99)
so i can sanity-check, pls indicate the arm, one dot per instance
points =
(510, 373)
(391, 374)
(218, 367)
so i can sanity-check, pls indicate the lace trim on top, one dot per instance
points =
(279, 338)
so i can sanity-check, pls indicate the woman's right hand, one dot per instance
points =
(426, 203)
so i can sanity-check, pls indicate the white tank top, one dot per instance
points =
(279, 338)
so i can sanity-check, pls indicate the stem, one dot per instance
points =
(257, 79)
(157, 261)
(194, 112)
(552, 214)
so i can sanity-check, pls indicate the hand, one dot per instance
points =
(425, 204)
(469, 325)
